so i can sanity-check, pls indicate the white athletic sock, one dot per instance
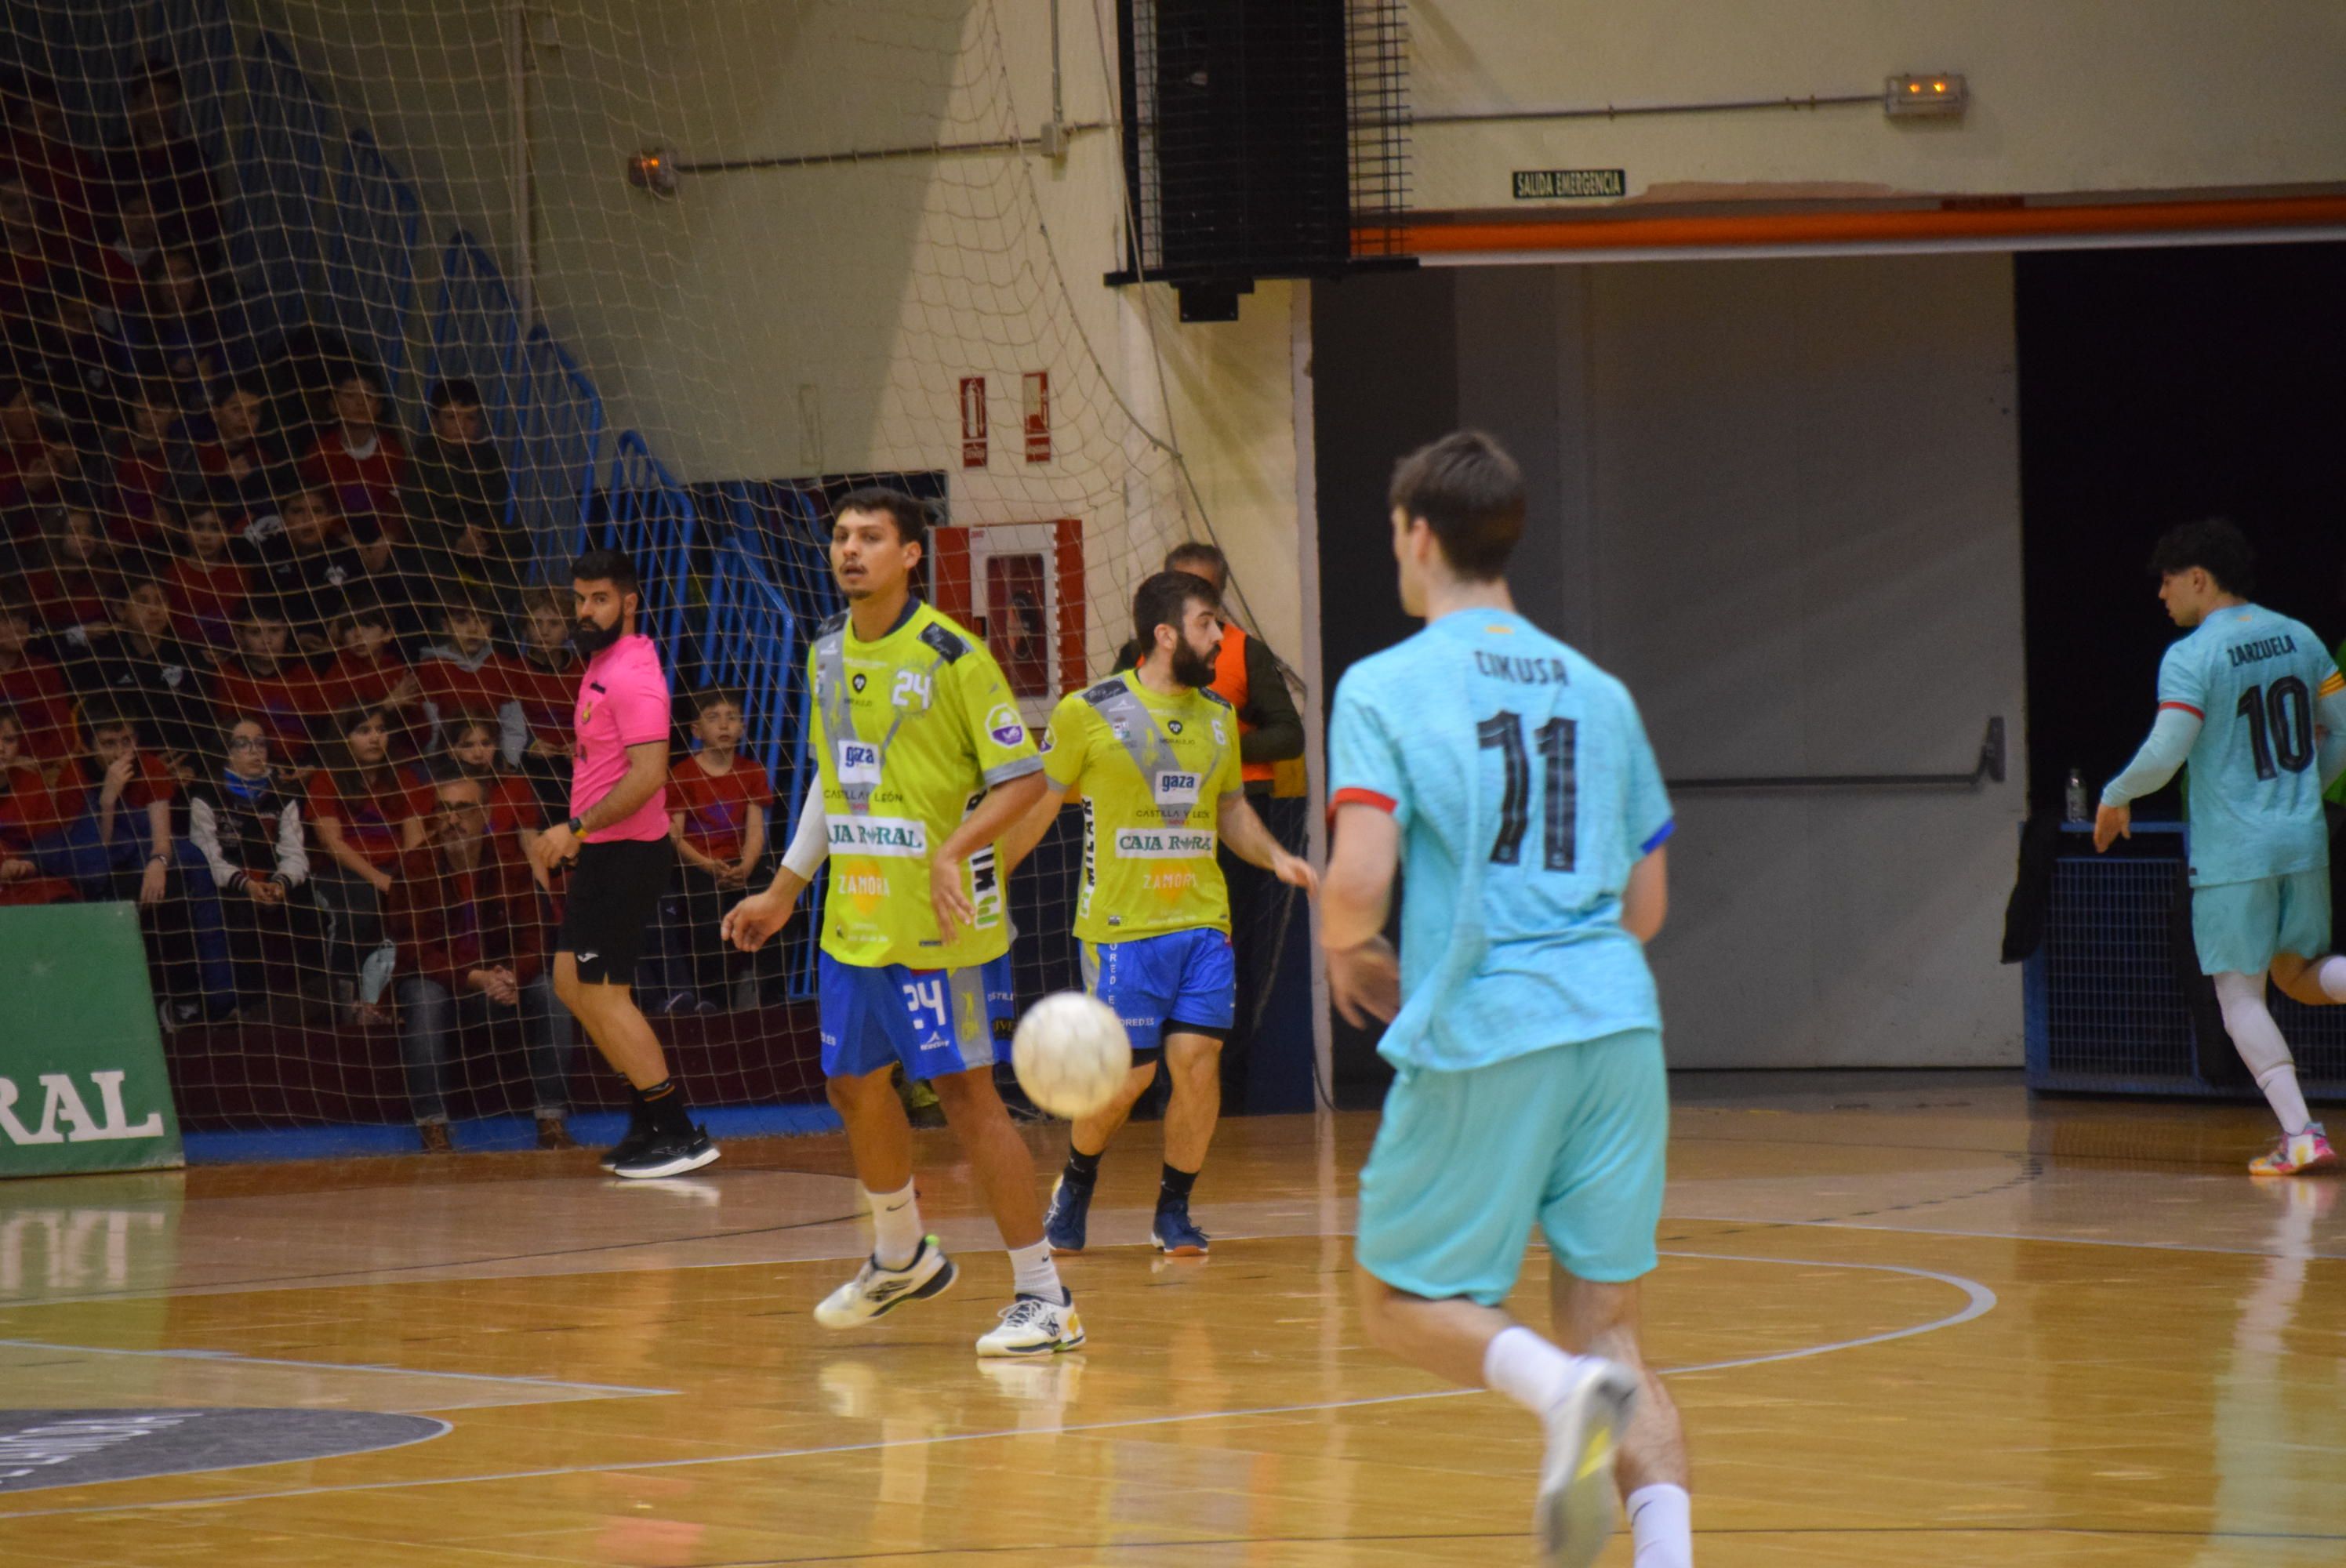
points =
(2330, 976)
(2286, 1100)
(895, 1226)
(1032, 1273)
(1662, 1527)
(1525, 1367)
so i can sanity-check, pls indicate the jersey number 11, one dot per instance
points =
(1558, 739)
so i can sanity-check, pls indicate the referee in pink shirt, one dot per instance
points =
(619, 836)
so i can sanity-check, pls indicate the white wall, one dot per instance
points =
(1782, 500)
(878, 284)
(2067, 96)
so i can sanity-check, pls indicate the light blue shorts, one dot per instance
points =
(1174, 983)
(2239, 926)
(933, 1020)
(1574, 1137)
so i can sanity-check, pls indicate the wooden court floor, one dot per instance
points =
(1916, 1324)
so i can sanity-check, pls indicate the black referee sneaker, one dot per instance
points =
(619, 836)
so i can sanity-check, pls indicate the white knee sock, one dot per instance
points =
(2330, 976)
(1527, 1368)
(895, 1226)
(1032, 1273)
(2258, 1041)
(1661, 1527)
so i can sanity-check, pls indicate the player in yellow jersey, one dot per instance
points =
(924, 764)
(1155, 757)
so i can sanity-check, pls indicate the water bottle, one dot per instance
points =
(2076, 799)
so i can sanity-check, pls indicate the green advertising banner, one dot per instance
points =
(82, 1085)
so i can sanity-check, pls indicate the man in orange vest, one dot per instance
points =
(1270, 742)
(1247, 675)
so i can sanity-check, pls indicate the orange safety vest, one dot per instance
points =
(1230, 684)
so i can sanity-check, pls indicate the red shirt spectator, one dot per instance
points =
(370, 815)
(716, 807)
(25, 815)
(448, 920)
(257, 682)
(548, 695)
(74, 793)
(207, 594)
(360, 462)
(33, 688)
(511, 804)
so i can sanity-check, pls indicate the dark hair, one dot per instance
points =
(452, 730)
(451, 393)
(257, 608)
(910, 516)
(716, 697)
(1470, 494)
(342, 765)
(1163, 600)
(467, 603)
(2215, 546)
(606, 567)
(97, 715)
(1199, 552)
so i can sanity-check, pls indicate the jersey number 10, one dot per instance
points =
(2280, 726)
(1558, 739)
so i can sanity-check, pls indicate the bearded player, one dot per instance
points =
(926, 764)
(1155, 757)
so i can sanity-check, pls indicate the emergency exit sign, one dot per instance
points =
(1570, 184)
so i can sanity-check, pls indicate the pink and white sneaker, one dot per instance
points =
(2296, 1154)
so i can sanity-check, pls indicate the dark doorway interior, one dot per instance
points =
(2157, 386)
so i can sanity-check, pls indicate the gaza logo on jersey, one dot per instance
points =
(1177, 788)
(1003, 726)
(859, 763)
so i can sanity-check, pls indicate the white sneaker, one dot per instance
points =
(875, 1291)
(1031, 1325)
(1575, 1513)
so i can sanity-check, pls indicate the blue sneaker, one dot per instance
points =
(1062, 1223)
(1176, 1234)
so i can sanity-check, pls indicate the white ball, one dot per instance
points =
(1071, 1054)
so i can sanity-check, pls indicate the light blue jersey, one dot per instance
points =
(2252, 678)
(1525, 790)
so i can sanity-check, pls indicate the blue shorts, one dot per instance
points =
(933, 1020)
(2237, 927)
(1574, 1136)
(1176, 982)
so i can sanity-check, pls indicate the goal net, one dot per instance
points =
(334, 329)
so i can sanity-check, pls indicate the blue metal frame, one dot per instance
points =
(370, 276)
(650, 517)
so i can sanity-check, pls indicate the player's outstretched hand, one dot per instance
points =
(2112, 823)
(951, 905)
(1296, 873)
(749, 923)
(1364, 981)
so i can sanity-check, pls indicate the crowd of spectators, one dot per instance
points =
(264, 669)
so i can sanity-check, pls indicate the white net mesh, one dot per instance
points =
(335, 329)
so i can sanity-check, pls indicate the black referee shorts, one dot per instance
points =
(614, 900)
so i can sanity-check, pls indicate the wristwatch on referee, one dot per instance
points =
(577, 826)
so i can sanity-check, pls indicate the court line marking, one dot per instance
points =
(445, 1428)
(1979, 1300)
(618, 1390)
(2317, 1256)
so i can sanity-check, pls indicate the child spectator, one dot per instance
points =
(464, 673)
(457, 498)
(472, 943)
(258, 678)
(249, 831)
(71, 575)
(117, 270)
(357, 803)
(367, 671)
(78, 361)
(187, 335)
(468, 749)
(146, 483)
(111, 815)
(207, 584)
(26, 818)
(32, 688)
(546, 684)
(719, 821)
(164, 161)
(136, 667)
(359, 461)
(243, 471)
(302, 567)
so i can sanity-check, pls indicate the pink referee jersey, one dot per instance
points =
(622, 702)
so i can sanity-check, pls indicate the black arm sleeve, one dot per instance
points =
(1277, 733)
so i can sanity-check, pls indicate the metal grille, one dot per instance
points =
(2113, 1007)
(1263, 138)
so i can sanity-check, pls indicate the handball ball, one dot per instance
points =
(1071, 1054)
